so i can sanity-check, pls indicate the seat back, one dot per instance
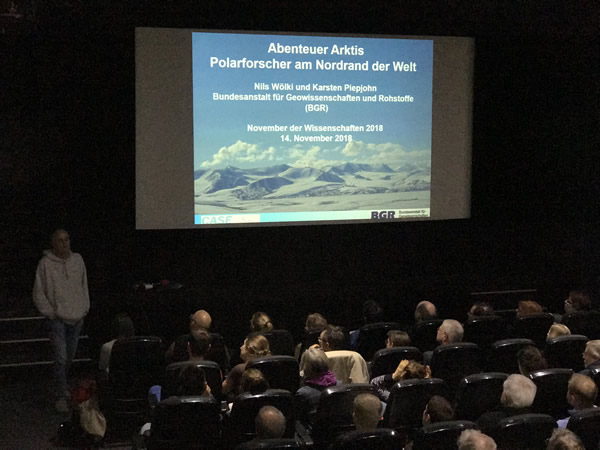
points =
(281, 342)
(379, 439)
(534, 327)
(585, 323)
(566, 351)
(551, 394)
(189, 422)
(272, 444)
(246, 406)
(282, 372)
(441, 435)
(502, 357)
(334, 413)
(212, 371)
(136, 364)
(525, 431)
(310, 337)
(484, 331)
(387, 359)
(424, 335)
(218, 352)
(407, 401)
(453, 362)
(478, 393)
(372, 338)
(586, 425)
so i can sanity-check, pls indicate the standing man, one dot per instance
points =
(60, 293)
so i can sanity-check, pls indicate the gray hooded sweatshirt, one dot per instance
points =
(61, 289)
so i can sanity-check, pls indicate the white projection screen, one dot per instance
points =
(253, 129)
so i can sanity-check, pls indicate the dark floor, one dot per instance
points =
(28, 419)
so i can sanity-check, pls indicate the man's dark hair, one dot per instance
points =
(372, 312)
(439, 409)
(191, 381)
(580, 300)
(200, 344)
(480, 309)
(531, 359)
(398, 338)
(425, 311)
(335, 337)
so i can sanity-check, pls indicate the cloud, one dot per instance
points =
(240, 152)
(387, 153)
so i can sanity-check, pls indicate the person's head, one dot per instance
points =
(591, 354)
(397, 338)
(425, 311)
(530, 359)
(269, 423)
(367, 412)
(578, 301)
(582, 392)
(200, 321)
(314, 362)
(191, 381)
(61, 243)
(315, 321)
(450, 331)
(253, 381)
(254, 346)
(372, 312)
(558, 329)
(332, 338)
(438, 409)
(481, 309)
(199, 345)
(564, 439)
(407, 370)
(122, 326)
(527, 307)
(260, 322)
(475, 440)
(518, 392)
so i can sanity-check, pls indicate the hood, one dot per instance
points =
(50, 255)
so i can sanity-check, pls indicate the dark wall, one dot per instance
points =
(68, 159)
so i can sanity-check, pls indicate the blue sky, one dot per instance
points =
(220, 127)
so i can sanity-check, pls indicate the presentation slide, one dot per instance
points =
(291, 129)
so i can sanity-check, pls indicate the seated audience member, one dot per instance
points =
(314, 321)
(121, 327)
(438, 409)
(199, 347)
(528, 307)
(425, 310)
(254, 346)
(397, 338)
(530, 359)
(348, 366)
(199, 323)
(591, 354)
(449, 332)
(558, 329)
(475, 440)
(316, 378)
(191, 382)
(578, 301)
(480, 309)
(367, 412)
(372, 313)
(269, 423)
(260, 323)
(517, 397)
(581, 394)
(253, 381)
(563, 439)
(406, 370)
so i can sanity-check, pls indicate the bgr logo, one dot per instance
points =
(383, 214)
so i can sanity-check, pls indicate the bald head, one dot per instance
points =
(270, 423)
(200, 320)
(425, 311)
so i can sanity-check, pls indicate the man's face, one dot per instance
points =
(442, 336)
(323, 343)
(61, 244)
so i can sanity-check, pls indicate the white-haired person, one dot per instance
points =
(316, 378)
(475, 440)
(591, 354)
(449, 332)
(517, 397)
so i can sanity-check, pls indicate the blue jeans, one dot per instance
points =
(64, 339)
